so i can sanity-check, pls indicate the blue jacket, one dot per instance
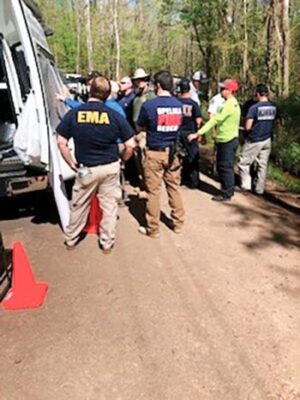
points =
(110, 103)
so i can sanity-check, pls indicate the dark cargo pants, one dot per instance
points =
(225, 164)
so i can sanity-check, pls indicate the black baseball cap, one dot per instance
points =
(262, 89)
(184, 85)
(93, 74)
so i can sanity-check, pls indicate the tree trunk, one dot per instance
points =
(117, 37)
(89, 41)
(78, 36)
(270, 41)
(285, 47)
(279, 42)
(245, 50)
(192, 59)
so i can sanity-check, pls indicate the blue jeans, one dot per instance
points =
(225, 164)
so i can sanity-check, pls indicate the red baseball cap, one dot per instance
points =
(230, 84)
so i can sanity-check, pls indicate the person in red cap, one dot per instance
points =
(227, 120)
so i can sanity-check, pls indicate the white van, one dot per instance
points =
(29, 112)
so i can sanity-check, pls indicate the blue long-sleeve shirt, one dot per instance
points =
(72, 103)
(114, 105)
(110, 103)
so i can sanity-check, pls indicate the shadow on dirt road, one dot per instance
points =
(276, 224)
(39, 205)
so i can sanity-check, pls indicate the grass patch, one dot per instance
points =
(290, 182)
(275, 173)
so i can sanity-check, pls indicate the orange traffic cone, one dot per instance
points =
(94, 217)
(25, 291)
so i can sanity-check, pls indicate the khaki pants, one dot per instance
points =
(103, 180)
(259, 152)
(157, 170)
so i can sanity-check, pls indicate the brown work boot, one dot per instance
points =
(144, 231)
(177, 229)
(107, 250)
(69, 246)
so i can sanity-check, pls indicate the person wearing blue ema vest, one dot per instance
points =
(96, 130)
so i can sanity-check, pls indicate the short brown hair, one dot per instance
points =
(100, 88)
(262, 89)
(165, 79)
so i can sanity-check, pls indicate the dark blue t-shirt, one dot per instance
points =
(162, 118)
(191, 111)
(264, 114)
(126, 102)
(95, 129)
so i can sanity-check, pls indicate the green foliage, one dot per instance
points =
(277, 175)
(289, 112)
(184, 35)
(60, 17)
(291, 158)
(287, 156)
(286, 146)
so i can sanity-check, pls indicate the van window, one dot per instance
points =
(22, 70)
(7, 116)
(52, 85)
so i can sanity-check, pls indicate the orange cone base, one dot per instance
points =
(24, 299)
(25, 291)
(95, 216)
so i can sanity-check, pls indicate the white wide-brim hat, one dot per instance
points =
(140, 74)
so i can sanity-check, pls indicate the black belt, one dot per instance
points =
(157, 148)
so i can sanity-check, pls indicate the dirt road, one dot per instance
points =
(210, 314)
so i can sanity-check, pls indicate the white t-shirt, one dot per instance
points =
(194, 94)
(216, 104)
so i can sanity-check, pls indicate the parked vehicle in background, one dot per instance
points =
(76, 83)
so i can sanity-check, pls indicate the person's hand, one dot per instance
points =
(192, 136)
(63, 94)
(74, 168)
(202, 139)
(60, 97)
(65, 91)
(214, 135)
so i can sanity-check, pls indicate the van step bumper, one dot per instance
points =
(14, 185)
